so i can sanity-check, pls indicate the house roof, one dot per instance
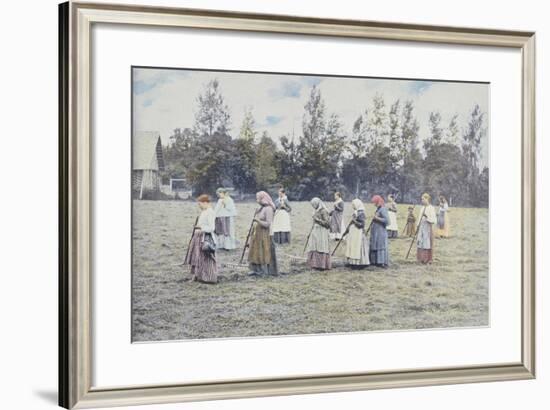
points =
(147, 151)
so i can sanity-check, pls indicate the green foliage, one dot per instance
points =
(381, 155)
(436, 132)
(445, 172)
(212, 114)
(320, 148)
(209, 163)
(176, 154)
(287, 161)
(265, 172)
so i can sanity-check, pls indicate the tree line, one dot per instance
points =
(382, 155)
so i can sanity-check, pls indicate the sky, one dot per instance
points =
(165, 99)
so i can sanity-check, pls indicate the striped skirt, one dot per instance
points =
(222, 225)
(318, 260)
(203, 264)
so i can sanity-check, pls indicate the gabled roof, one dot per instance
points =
(147, 151)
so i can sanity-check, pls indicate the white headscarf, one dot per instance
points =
(317, 204)
(357, 205)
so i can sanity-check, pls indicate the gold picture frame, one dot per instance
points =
(75, 353)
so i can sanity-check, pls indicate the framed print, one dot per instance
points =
(256, 205)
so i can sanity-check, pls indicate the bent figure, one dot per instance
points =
(318, 248)
(225, 220)
(262, 258)
(281, 220)
(357, 243)
(379, 253)
(337, 217)
(202, 250)
(425, 239)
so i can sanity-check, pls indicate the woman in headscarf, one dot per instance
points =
(357, 243)
(443, 221)
(337, 217)
(261, 256)
(281, 220)
(392, 214)
(225, 220)
(202, 250)
(379, 253)
(425, 240)
(318, 249)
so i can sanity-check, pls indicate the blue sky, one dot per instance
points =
(166, 99)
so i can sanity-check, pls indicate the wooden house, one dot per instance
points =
(147, 161)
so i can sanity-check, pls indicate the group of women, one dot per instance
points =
(366, 238)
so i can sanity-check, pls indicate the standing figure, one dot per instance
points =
(281, 220)
(392, 213)
(337, 217)
(410, 228)
(225, 220)
(443, 221)
(202, 250)
(357, 243)
(261, 255)
(379, 253)
(318, 248)
(425, 240)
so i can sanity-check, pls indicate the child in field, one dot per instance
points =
(411, 223)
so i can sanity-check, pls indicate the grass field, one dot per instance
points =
(452, 292)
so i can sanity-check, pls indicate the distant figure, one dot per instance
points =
(392, 213)
(337, 217)
(425, 240)
(410, 228)
(357, 243)
(379, 253)
(202, 250)
(262, 258)
(443, 221)
(318, 248)
(281, 220)
(225, 220)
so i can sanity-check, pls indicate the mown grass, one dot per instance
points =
(451, 292)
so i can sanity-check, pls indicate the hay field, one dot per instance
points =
(452, 292)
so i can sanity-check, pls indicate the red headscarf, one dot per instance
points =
(377, 200)
(265, 199)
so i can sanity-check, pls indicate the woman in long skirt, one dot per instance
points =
(202, 250)
(337, 217)
(410, 228)
(357, 243)
(425, 239)
(262, 259)
(392, 214)
(379, 253)
(443, 221)
(281, 220)
(318, 248)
